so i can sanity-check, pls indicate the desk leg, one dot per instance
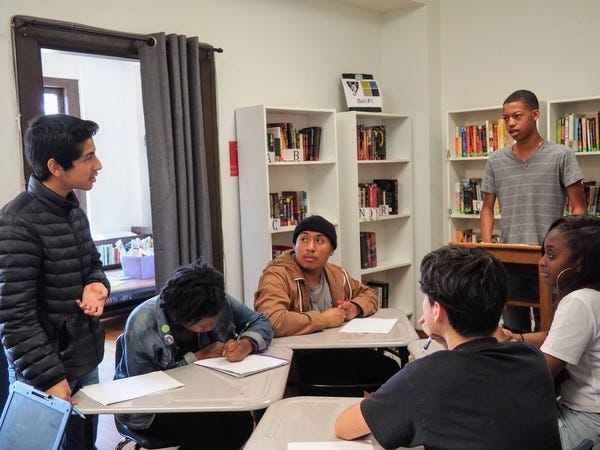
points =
(402, 353)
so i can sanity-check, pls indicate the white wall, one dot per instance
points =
(276, 52)
(490, 49)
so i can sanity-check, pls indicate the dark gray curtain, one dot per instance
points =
(177, 165)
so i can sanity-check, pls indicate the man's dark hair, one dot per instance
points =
(470, 283)
(57, 136)
(524, 96)
(192, 293)
(582, 235)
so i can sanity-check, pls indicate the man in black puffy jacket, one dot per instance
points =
(52, 287)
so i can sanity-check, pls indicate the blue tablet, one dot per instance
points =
(32, 419)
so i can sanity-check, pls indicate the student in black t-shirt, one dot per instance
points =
(482, 393)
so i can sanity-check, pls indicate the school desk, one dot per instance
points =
(205, 390)
(402, 333)
(300, 419)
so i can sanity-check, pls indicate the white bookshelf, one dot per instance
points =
(459, 168)
(394, 233)
(258, 178)
(590, 106)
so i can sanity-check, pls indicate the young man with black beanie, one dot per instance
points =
(301, 292)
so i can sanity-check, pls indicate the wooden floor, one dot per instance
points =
(108, 436)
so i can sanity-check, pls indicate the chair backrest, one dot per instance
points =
(586, 444)
(119, 349)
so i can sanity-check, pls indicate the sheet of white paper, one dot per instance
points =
(333, 445)
(138, 386)
(251, 364)
(369, 325)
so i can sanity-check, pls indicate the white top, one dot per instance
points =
(574, 337)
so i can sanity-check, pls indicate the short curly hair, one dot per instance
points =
(193, 292)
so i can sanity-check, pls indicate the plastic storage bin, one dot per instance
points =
(139, 267)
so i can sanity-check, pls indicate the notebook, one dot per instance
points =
(248, 366)
(32, 419)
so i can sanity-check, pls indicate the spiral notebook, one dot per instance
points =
(32, 419)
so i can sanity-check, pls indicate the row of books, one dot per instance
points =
(481, 140)
(471, 235)
(290, 207)
(383, 292)
(278, 250)
(368, 249)
(579, 132)
(287, 143)
(468, 197)
(109, 254)
(370, 142)
(381, 194)
(592, 198)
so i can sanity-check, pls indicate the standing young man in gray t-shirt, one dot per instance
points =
(531, 179)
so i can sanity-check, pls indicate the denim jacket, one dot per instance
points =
(148, 345)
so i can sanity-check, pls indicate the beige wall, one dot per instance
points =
(276, 52)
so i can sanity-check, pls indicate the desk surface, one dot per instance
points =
(118, 285)
(402, 333)
(415, 348)
(300, 419)
(205, 390)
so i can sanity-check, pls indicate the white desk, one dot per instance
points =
(415, 348)
(300, 419)
(402, 333)
(205, 390)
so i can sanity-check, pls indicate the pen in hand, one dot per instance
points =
(426, 345)
(76, 411)
(244, 328)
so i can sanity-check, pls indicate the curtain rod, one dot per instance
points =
(77, 28)
(74, 27)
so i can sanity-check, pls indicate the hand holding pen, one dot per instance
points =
(237, 349)
(350, 309)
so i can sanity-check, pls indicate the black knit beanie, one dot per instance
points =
(319, 225)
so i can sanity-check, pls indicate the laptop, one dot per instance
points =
(32, 419)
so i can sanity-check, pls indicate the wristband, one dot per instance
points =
(522, 337)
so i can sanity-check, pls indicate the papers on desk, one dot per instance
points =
(369, 325)
(250, 365)
(129, 388)
(334, 445)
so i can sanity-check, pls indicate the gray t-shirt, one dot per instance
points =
(531, 193)
(320, 295)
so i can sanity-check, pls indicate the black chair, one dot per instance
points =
(136, 436)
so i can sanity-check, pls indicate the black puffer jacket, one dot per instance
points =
(47, 256)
